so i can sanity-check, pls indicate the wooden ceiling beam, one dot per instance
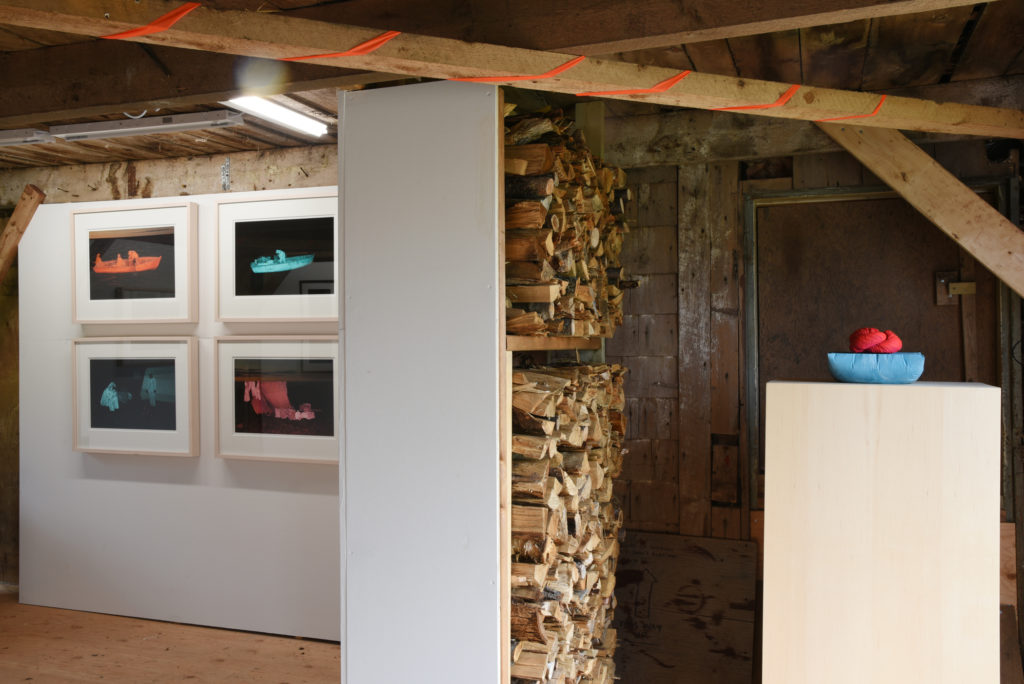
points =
(598, 27)
(957, 210)
(690, 136)
(274, 36)
(96, 78)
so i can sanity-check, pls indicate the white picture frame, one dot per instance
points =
(135, 395)
(134, 265)
(277, 259)
(277, 398)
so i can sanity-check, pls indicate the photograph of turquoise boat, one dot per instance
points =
(279, 262)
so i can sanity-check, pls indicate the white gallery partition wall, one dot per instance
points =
(419, 213)
(176, 533)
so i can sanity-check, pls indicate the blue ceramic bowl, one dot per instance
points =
(900, 368)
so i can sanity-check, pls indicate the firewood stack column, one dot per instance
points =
(564, 230)
(568, 428)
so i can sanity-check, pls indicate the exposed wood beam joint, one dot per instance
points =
(274, 36)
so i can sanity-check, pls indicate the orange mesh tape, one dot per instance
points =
(361, 49)
(786, 97)
(536, 77)
(878, 108)
(162, 24)
(659, 88)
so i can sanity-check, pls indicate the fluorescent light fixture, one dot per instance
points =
(271, 111)
(24, 136)
(154, 124)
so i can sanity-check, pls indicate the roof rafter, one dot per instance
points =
(275, 36)
(604, 26)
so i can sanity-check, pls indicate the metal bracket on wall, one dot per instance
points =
(948, 286)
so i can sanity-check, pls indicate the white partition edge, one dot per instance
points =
(418, 181)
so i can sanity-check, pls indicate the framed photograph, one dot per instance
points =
(277, 259)
(134, 265)
(135, 396)
(277, 398)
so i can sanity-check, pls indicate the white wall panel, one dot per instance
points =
(419, 188)
(237, 544)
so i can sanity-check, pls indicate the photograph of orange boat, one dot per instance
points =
(132, 263)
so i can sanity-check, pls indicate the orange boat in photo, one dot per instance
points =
(133, 264)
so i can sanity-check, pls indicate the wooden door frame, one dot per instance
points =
(1006, 191)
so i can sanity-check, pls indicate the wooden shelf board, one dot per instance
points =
(531, 343)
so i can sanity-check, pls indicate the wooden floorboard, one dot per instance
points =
(49, 645)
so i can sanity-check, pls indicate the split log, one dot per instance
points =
(528, 187)
(530, 214)
(539, 157)
(528, 245)
(528, 623)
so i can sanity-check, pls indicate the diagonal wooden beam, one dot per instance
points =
(941, 197)
(274, 36)
(598, 27)
(24, 210)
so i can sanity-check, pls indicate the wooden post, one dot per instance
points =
(31, 197)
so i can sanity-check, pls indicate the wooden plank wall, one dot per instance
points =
(647, 343)
(681, 342)
(687, 469)
(8, 423)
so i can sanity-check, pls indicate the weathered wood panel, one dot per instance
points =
(829, 169)
(913, 49)
(652, 376)
(712, 57)
(694, 351)
(647, 345)
(648, 251)
(652, 417)
(771, 56)
(297, 167)
(645, 335)
(994, 44)
(648, 501)
(686, 610)
(726, 522)
(833, 55)
(724, 474)
(9, 467)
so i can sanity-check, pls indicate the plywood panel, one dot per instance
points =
(449, 493)
(881, 505)
(686, 610)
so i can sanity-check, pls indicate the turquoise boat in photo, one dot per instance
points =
(279, 262)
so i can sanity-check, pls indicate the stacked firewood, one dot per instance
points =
(564, 228)
(568, 427)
